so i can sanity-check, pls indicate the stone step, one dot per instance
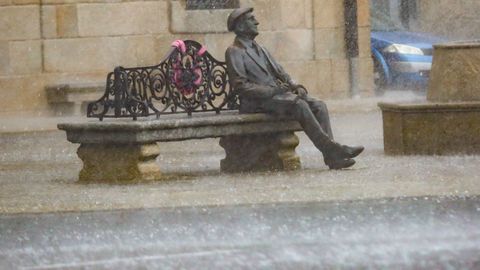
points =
(72, 99)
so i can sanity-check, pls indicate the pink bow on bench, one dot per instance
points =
(179, 70)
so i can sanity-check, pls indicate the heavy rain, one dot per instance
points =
(410, 201)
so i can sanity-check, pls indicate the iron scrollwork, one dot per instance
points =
(187, 80)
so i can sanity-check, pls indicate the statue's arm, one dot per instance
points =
(239, 78)
(294, 87)
(281, 72)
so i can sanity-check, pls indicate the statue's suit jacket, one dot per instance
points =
(256, 79)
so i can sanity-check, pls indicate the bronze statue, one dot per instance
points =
(263, 86)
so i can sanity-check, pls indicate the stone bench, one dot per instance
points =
(187, 96)
(125, 150)
(72, 99)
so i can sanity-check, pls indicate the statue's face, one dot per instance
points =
(248, 25)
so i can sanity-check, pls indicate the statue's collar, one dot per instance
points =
(255, 54)
(246, 42)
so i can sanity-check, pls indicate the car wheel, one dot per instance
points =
(379, 79)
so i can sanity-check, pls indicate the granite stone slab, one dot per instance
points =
(455, 72)
(431, 128)
(174, 128)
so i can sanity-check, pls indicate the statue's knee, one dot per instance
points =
(302, 109)
(301, 105)
(321, 106)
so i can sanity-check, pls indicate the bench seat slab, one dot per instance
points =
(260, 152)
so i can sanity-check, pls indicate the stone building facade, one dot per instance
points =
(51, 42)
(453, 19)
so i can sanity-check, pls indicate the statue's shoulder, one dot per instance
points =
(234, 49)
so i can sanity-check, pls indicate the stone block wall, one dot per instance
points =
(78, 41)
(450, 18)
(20, 51)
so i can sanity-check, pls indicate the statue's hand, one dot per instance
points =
(282, 89)
(299, 90)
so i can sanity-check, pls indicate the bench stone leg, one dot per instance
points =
(77, 109)
(272, 151)
(119, 163)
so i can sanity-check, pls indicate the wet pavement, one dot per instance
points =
(38, 173)
(390, 212)
(408, 233)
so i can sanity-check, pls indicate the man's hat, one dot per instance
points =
(233, 17)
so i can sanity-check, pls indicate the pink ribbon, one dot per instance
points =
(179, 44)
(202, 51)
(198, 81)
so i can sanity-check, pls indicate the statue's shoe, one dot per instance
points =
(352, 151)
(339, 164)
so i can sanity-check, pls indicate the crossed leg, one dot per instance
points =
(313, 116)
(320, 110)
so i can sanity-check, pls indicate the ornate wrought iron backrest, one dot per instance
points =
(187, 80)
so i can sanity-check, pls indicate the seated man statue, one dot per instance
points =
(263, 86)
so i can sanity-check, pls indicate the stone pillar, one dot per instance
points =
(329, 45)
(365, 63)
(115, 163)
(455, 72)
(331, 57)
(260, 152)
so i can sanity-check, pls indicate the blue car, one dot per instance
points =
(402, 59)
